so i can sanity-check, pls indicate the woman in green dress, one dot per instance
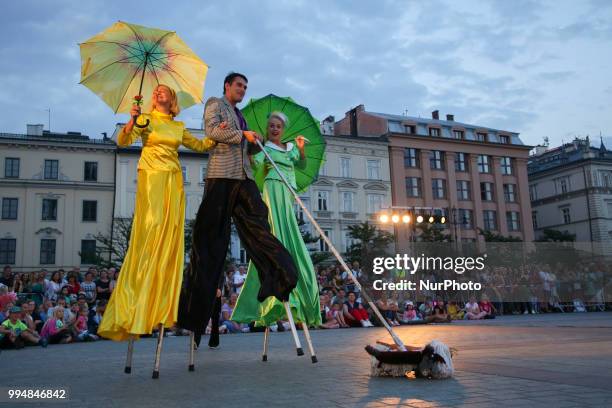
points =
(304, 300)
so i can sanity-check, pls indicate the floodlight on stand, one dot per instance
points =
(395, 218)
(431, 219)
(419, 219)
(442, 220)
(406, 219)
(384, 218)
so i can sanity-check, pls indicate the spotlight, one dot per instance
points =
(431, 219)
(395, 218)
(419, 219)
(442, 220)
(406, 219)
(384, 218)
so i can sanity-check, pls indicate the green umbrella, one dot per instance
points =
(301, 122)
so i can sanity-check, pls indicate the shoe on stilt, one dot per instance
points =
(213, 341)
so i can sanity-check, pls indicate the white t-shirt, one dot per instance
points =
(238, 279)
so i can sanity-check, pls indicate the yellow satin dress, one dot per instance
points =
(149, 285)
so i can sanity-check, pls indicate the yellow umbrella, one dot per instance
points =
(127, 59)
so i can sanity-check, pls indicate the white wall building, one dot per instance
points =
(57, 194)
(353, 185)
(570, 188)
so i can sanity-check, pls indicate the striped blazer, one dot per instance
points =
(230, 158)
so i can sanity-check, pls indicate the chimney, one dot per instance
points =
(360, 108)
(35, 130)
(450, 118)
(435, 115)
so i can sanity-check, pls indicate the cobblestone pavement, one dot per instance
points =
(560, 360)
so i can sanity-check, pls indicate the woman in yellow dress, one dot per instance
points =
(148, 289)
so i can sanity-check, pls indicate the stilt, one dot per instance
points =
(298, 345)
(191, 351)
(313, 356)
(160, 339)
(128, 359)
(264, 357)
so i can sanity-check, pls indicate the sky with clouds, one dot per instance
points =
(540, 68)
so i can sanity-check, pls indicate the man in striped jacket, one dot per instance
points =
(230, 193)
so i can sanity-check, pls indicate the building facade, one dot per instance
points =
(570, 189)
(475, 175)
(353, 185)
(57, 192)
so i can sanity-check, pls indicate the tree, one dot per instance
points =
(432, 233)
(495, 237)
(112, 248)
(551, 235)
(371, 243)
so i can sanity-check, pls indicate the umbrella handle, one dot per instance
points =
(140, 126)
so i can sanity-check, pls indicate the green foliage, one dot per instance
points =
(371, 243)
(495, 237)
(551, 235)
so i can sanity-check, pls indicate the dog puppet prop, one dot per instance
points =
(432, 361)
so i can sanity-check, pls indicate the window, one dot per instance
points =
(347, 201)
(564, 185)
(512, 219)
(91, 171)
(438, 188)
(323, 169)
(9, 208)
(465, 218)
(458, 134)
(51, 167)
(7, 251)
(533, 192)
(490, 220)
(47, 251)
(323, 247)
(565, 212)
(11, 167)
(373, 169)
(504, 139)
(49, 209)
(506, 165)
(90, 210)
(434, 132)
(185, 174)
(481, 137)
(463, 190)
(410, 129)
(534, 219)
(510, 193)
(460, 162)
(322, 199)
(436, 160)
(88, 251)
(411, 157)
(483, 163)
(345, 167)
(299, 211)
(486, 191)
(413, 186)
(202, 174)
(374, 203)
(347, 240)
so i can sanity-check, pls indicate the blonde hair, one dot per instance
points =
(57, 311)
(174, 106)
(280, 116)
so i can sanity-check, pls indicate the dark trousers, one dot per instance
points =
(240, 200)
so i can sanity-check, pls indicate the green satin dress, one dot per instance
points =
(304, 299)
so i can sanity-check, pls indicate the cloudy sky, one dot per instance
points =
(540, 68)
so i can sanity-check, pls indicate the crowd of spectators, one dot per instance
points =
(43, 307)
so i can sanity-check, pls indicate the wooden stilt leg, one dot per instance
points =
(128, 359)
(313, 356)
(158, 350)
(264, 357)
(191, 351)
(298, 345)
